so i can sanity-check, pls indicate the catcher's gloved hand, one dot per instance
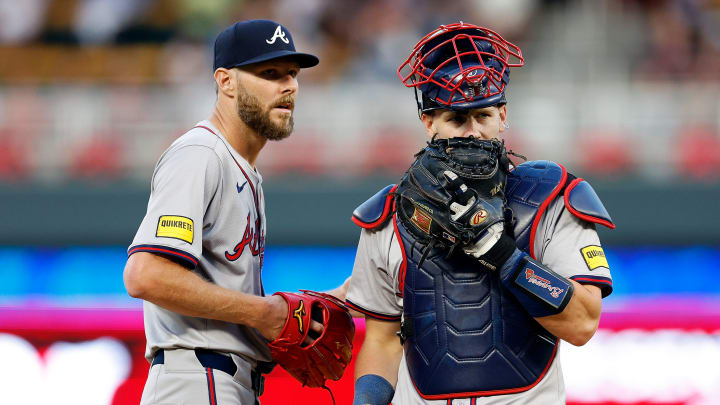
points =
(328, 355)
(488, 238)
(453, 194)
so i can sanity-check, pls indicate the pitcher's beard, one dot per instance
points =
(252, 114)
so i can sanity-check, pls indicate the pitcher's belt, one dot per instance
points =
(217, 361)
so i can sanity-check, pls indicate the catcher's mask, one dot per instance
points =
(460, 67)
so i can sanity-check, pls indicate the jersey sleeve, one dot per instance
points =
(571, 247)
(184, 182)
(372, 285)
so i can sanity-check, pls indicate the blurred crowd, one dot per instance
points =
(682, 40)
(673, 39)
(99, 87)
(353, 37)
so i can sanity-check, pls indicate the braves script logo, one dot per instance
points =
(533, 278)
(253, 237)
(278, 34)
(298, 314)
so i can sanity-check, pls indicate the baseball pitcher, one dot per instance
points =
(197, 257)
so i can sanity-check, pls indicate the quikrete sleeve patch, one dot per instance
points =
(176, 227)
(594, 257)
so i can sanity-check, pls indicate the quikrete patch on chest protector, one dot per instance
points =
(594, 257)
(176, 227)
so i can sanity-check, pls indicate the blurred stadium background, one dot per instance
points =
(625, 93)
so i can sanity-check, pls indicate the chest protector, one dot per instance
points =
(464, 334)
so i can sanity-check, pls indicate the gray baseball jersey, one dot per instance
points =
(563, 242)
(206, 212)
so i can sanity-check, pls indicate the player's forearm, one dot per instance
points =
(579, 320)
(169, 285)
(567, 309)
(340, 291)
(380, 355)
(374, 359)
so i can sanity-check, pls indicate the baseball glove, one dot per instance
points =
(454, 192)
(330, 353)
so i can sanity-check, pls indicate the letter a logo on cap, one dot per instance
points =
(278, 34)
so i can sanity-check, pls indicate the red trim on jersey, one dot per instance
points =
(383, 217)
(152, 249)
(604, 283)
(579, 214)
(255, 196)
(543, 207)
(371, 314)
(592, 279)
(459, 395)
(250, 183)
(403, 266)
(211, 386)
(206, 128)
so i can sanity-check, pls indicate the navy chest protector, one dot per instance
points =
(464, 334)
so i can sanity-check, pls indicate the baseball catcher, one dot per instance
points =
(480, 266)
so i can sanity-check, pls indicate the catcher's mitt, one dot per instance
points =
(330, 353)
(469, 172)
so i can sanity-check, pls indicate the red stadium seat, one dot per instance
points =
(100, 156)
(389, 151)
(301, 152)
(605, 153)
(13, 156)
(698, 152)
(516, 141)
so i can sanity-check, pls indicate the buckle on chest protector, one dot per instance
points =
(406, 330)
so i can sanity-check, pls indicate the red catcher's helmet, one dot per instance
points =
(459, 67)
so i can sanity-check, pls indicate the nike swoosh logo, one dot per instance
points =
(240, 188)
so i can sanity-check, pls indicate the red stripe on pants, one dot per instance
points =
(211, 386)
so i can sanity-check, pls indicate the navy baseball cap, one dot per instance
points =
(253, 41)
